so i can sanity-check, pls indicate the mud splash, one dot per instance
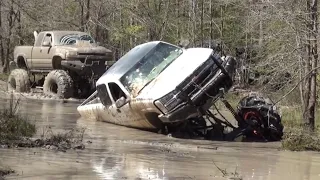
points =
(122, 153)
(35, 94)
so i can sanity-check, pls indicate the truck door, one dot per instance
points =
(42, 53)
(124, 115)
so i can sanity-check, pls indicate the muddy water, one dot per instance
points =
(123, 153)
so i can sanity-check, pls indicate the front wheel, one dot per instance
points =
(59, 84)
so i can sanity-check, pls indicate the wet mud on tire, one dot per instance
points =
(18, 81)
(58, 83)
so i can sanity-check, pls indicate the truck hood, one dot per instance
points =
(174, 74)
(84, 48)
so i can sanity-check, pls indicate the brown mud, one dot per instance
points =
(115, 152)
(35, 94)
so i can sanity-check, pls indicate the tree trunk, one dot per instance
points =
(11, 19)
(309, 114)
(1, 37)
(201, 21)
(81, 3)
(87, 15)
(194, 22)
(211, 23)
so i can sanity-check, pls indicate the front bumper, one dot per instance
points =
(203, 96)
(87, 65)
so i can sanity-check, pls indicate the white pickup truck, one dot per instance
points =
(158, 84)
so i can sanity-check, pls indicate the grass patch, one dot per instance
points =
(62, 141)
(71, 139)
(4, 171)
(14, 127)
(301, 140)
(292, 118)
(296, 137)
(4, 77)
(17, 131)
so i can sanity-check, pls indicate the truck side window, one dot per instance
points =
(48, 38)
(116, 91)
(39, 40)
(104, 95)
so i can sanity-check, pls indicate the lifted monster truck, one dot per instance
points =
(160, 86)
(69, 61)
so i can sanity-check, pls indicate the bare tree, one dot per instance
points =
(311, 65)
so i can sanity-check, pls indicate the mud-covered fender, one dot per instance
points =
(25, 59)
(60, 53)
(20, 55)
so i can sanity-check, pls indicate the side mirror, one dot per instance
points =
(46, 43)
(121, 102)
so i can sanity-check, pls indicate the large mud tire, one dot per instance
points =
(258, 112)
(18, 81)
(58, 83)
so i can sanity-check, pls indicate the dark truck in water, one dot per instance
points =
(69, 61)
(160, 86)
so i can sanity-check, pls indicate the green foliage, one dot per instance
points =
(4, 77)
(14, 126)
(134, 29)
(300, 140)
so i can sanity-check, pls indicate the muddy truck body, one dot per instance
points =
(70, 62)
(161, 87)
(158, 83)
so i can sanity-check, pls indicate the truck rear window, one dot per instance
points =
(69, 39)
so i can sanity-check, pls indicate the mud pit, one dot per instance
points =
(35, 94)
(122, 153)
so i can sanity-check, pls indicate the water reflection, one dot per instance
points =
(123, 153)
(126, 166)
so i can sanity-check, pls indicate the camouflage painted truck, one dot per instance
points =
(68, 62)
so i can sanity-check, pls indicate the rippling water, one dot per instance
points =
(122, 153)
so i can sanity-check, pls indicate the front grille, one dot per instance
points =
(191, 85)
(171, 100)
(92, 61)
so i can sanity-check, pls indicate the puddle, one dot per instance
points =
(122, 153)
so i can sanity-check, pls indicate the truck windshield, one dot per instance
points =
(150, 66)
(69, 39)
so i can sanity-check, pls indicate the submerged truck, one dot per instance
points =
(158, 86)
(68, 62)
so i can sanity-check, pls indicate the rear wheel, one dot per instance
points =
(59, 84)
(18, 81)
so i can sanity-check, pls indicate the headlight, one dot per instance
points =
(71, 53)
(168, 102)
(161, 107)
